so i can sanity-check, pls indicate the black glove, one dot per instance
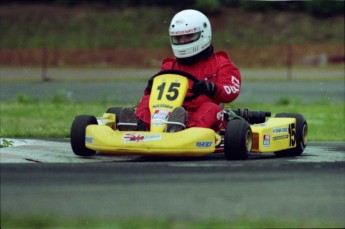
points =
(149, 85)
(203, 87)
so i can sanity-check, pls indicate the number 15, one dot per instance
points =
(172, 93)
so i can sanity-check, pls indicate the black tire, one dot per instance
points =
(237, 140)
(78, 130)
(301, 135)
(116, 111)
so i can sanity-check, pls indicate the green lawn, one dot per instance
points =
(148, 223)
(34, 119)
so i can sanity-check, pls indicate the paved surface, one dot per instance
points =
(43, 178)
(309, 187)
(115, 85)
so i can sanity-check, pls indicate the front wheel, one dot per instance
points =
(78, 131)
(237, 140)
(301, 135)
(116, 111)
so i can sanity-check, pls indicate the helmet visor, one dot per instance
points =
(185, 38)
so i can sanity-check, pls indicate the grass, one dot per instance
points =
(29, 222)
(28, 117)
(4, 143)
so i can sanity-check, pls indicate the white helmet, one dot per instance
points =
(193, 25)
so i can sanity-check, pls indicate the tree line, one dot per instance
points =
(318, 8)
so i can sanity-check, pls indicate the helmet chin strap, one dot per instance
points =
(196, 58)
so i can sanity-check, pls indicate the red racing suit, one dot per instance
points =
(203, 111)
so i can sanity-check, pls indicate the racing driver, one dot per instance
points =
(219, 79)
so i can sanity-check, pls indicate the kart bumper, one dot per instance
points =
(189, 142)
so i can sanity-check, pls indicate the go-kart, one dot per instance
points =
(244, 131)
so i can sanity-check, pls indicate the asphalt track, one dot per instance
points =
(44, 178)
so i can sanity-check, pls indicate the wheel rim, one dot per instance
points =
(249, 141)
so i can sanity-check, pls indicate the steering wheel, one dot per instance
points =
(182, 73)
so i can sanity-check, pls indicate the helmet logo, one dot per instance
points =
(179, 21)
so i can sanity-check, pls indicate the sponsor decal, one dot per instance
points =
(292, 131)
(280, 130)
(162, 106)
(220, 115)
(280, 137)
(179, 21)
(235, 81)
(260, 124)
(193, 30)
(234, 88)
(160, 116)
(88, 139)
(205, 144)
(133, 137)
(266, 141)
(101, 121)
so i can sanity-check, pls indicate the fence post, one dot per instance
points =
(44, 62)
(289, 61)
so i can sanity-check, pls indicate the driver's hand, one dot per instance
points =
(203, 87)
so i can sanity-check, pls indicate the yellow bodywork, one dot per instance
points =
(168, 92)
(189, 142)
(274, 135)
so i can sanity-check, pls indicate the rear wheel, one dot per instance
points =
(237, 140)
(300, 132)
(78, 130)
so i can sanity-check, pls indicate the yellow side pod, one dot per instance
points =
(274, 135)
